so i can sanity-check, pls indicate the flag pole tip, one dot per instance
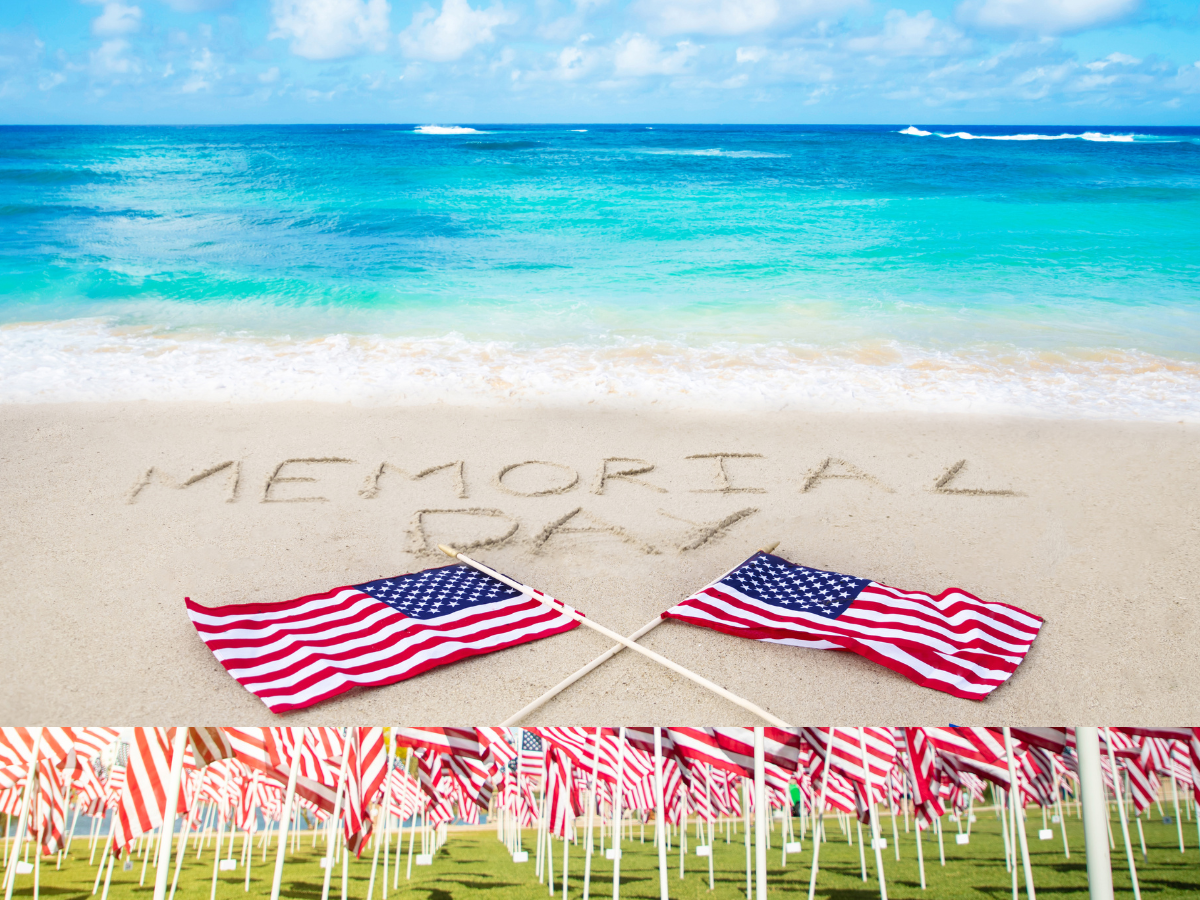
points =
(769, 548)
(449, 551)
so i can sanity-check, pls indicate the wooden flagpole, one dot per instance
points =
(571, 613)
(599, 660)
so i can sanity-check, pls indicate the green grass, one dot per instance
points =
(475, 866)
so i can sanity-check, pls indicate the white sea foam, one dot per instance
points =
(579, 130)
(1085, 136)
(446, 129)
(89, 360)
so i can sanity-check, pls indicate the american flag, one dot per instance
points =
(952, 642)
(294, 654)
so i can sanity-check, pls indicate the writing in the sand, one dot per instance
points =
(310, 480)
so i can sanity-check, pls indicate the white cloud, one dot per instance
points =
(270, 76)
(117, 18)
(735, 16)
(637, 55)
(751, 54)
(1042, 16)
(1114, 59)
(111, 59)
(903, 35)
(204, 72)
(191, 6)
(446, 36)
(573, 63)
(330, 29)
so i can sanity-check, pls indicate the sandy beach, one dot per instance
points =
(110, 520)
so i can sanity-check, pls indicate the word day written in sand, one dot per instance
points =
(530, 478)
(117, 512)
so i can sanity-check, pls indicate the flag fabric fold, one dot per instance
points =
(298, 652)
(952, 642)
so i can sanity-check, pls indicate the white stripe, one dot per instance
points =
(416, 635)
(811, 622)
(438, 650)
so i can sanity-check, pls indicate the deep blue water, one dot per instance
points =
(670, 246)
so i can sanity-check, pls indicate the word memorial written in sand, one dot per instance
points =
(298, 480)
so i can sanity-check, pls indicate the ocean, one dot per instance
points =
(1039, 271)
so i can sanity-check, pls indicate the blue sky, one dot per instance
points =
(451, 61)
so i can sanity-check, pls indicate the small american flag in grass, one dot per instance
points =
(952, 641)
(299, 652)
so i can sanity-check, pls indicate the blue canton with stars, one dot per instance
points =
(437, 592)
(770, 579)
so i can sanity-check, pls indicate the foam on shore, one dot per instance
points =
(92, 360)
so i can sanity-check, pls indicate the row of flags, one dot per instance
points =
(239, 775)
(299, 652)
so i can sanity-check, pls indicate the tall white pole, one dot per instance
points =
(289, 800)
(587, 856)
(660, 819)
(333, 819)
(760, 815)
(1116, 773)
(23, 818)
(617, 814)
(1095, 813)
(168, 827)
(874, 819)
(1018, 811)
(818, 835)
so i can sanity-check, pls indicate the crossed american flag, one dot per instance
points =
(299, 652)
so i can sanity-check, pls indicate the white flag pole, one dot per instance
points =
(587, 856)
(289, 800)
(167, 831)
(23, 818)
(1018, 811)
(1116, 773)
(760, 815)
(1095, 813)
(660, 815)
(618, 813)
(333, 819)
(874, 819)
(818, 834)
(571, 613)
(599, 660)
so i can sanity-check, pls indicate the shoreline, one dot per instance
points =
(116, 511)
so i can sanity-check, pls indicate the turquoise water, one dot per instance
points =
(1053, 270)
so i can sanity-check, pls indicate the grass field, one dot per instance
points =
(473, 865)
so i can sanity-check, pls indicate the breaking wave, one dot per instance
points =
(1083, 136)
(446, 129)
(93, 360)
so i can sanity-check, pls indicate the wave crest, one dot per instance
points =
(446, 129)
(90, 360)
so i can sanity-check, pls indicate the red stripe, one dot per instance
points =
(432, 640)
